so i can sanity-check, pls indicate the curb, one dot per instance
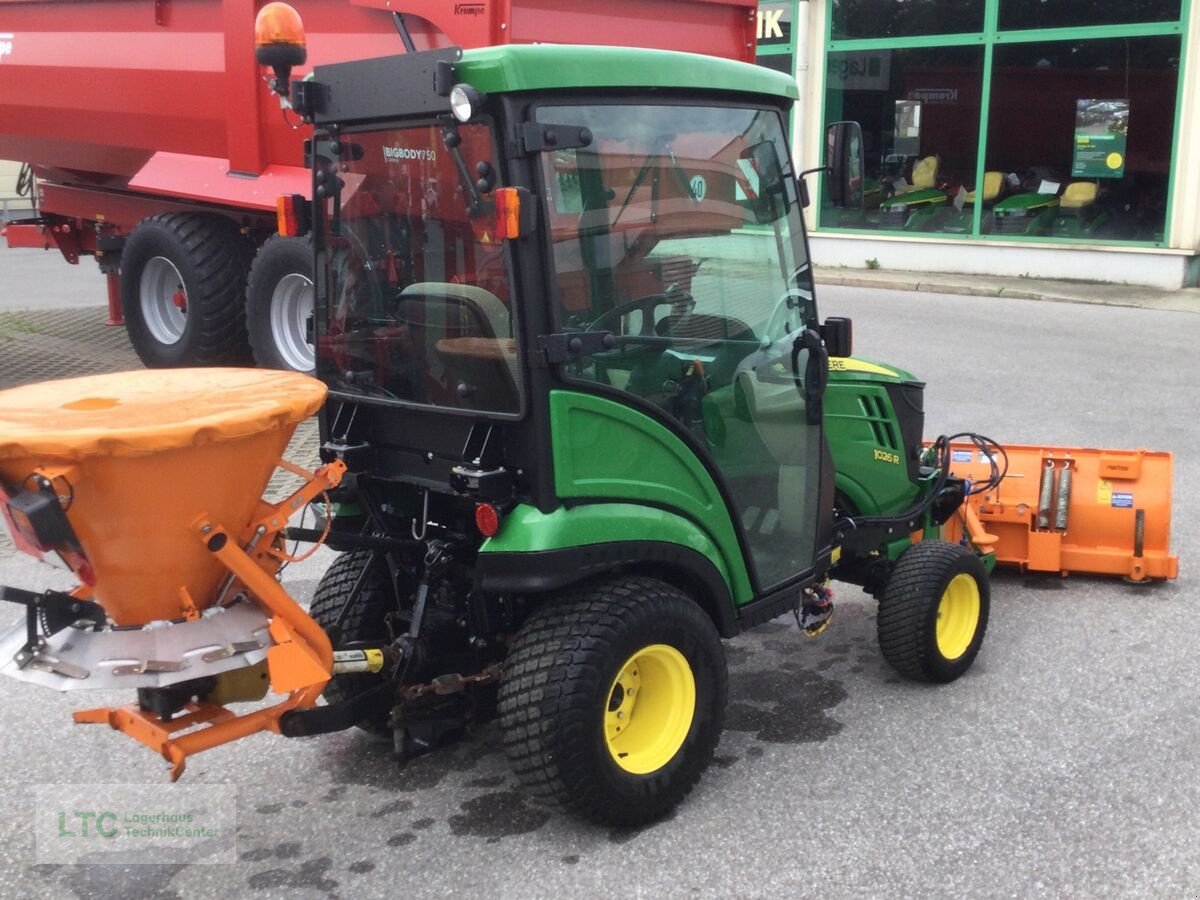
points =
(1183, 300)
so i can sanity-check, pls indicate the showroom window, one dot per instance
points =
(1022, 14)
(1094, 118)
(1037, 120)
(919, 111)
(903, 18)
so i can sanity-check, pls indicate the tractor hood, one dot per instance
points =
(853, 368)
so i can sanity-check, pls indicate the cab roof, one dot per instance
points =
(531, 67)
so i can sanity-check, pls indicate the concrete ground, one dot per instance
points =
(1062, 765)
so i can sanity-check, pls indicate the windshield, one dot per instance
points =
(417, 289)
(677, 221)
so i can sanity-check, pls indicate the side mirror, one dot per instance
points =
(838, 335)
(843, 160)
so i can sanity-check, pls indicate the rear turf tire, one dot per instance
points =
(183, 288)
(934, 612)
(364, 621)
(583, 667)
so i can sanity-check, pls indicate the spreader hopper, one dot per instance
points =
(148, 486)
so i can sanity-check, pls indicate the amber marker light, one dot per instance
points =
(508, 213)
(291, 215)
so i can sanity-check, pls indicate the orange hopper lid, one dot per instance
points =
(151, 410)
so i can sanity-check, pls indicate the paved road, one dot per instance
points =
(1063, 764)
(42, 279)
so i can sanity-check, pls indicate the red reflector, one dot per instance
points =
(508, 213)
(487, 519)
(81, 567)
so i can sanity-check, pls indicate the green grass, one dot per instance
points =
(12, 324)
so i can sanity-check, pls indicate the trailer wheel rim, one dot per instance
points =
(958, 616)
(291, 308)
(163, 300)
(650, 709)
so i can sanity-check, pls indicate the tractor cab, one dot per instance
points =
(539, 293)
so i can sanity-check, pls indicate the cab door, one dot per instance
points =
(676, 236)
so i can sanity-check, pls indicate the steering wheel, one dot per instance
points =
(365, 278)
(606, 320)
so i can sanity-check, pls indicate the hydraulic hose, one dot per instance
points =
(939, 455)
(25, 180)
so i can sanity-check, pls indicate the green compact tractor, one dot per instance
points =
(591, 420)
(1027, 213)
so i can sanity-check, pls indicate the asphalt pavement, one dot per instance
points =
(1062, 765)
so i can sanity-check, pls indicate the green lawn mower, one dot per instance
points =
(919, 207)
(1079, 216)
(962, 220)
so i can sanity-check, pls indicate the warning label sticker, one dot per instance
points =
(1122, 500)
(1104, 492)
(960, 456)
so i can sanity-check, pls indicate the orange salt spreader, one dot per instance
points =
(1069, 510)
(147, 485)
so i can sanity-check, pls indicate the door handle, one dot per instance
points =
(816, 373)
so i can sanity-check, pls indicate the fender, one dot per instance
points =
(537, 552)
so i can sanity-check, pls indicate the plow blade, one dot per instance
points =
(1071, 510)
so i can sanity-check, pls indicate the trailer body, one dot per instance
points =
(127, 111)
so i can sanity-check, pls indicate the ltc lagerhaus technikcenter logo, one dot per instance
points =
(124, 824)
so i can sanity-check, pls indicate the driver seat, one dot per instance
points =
(463, 334)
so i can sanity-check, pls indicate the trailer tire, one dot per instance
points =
(279, 304)
(933, 612)
(183, 285)
(364, 621)
(570, 711)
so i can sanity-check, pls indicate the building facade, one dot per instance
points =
(1046, 138)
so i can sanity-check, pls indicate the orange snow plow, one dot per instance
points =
(1069, 510)
(147, 485)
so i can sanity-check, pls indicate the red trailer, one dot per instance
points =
(159, 150)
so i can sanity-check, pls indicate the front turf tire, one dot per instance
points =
(934, 612)
(616, 645)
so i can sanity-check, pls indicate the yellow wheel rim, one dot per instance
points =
(650, 708)
(957, 616)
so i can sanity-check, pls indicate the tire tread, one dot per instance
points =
(362, 621)
(213, 249)
(278, 253)
(907, 610)
(557, 651)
